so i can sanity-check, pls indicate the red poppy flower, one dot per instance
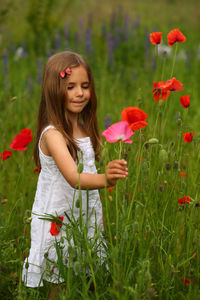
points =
(185, 101)
(26, 131)
(5, 155)
(21, 140)
(173, 85)
(155, 37)
(184, 200)
(182, 174)
(110, 189)
(160, 92)
(188, 136)
(54, 227)
(36, 170)
(135, 117)
(174, 36)
(187, 281)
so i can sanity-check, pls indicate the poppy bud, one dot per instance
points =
(77, 267)
(163, 155)
(77, 203)
(153, 141)
(179, 121)
(46, 255)
(28, 220)
(161, 188)
(26, 265)
(175, 165)
(80, 168)
(168, 166)
(62, 240)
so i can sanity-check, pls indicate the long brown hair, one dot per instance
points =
(52, 108)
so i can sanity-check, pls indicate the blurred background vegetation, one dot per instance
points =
(33, 19)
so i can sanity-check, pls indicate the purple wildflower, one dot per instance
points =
(39, 70)
(88, 41)
(146, 45)
(107, 121)
(110, 48)
(5, 62)
(57, 41)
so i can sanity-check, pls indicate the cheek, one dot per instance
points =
(88, 94)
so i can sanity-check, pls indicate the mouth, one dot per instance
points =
(78, 102)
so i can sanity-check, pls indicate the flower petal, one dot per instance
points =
(155, 37)
(118, 131)
(174, 36)
(5, 155)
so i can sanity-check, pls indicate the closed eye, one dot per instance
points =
(85, 86)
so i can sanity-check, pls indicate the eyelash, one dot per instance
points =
(83, 87)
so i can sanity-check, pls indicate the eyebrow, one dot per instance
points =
(71, 82)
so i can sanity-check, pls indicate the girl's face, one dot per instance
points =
(78, 90)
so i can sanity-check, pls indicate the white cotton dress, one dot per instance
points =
(55, 196)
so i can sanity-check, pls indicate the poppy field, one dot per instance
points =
(147, 86)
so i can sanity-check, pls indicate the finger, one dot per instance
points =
(120, 161)
(117, 166)
(116, 176)
(117, 171)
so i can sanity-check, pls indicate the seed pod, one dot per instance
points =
(153, 141)
(80, 168)
(163, 155)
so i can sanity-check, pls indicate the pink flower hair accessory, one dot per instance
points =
(65, 73)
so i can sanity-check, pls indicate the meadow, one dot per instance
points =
(152, 226)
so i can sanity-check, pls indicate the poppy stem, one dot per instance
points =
(174, 59)
(163, 66)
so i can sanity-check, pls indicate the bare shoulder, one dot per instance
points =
(52, 135)
(51, 138)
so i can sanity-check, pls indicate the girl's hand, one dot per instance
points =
(115, 170)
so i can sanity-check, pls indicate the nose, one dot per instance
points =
(79, 91)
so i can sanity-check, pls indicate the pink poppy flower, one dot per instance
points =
(118, 131)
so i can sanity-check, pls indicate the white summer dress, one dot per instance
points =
(55, 196)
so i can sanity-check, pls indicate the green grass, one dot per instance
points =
(153, 241)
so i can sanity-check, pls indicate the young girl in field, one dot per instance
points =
(67, 134)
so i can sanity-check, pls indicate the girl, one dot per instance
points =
(67, 134)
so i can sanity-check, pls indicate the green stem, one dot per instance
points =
(163, 67)
(174, 59)
(116, 200)
(136, 184)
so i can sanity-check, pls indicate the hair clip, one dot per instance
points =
(65, 73)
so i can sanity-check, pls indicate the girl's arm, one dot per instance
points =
(56, 147)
